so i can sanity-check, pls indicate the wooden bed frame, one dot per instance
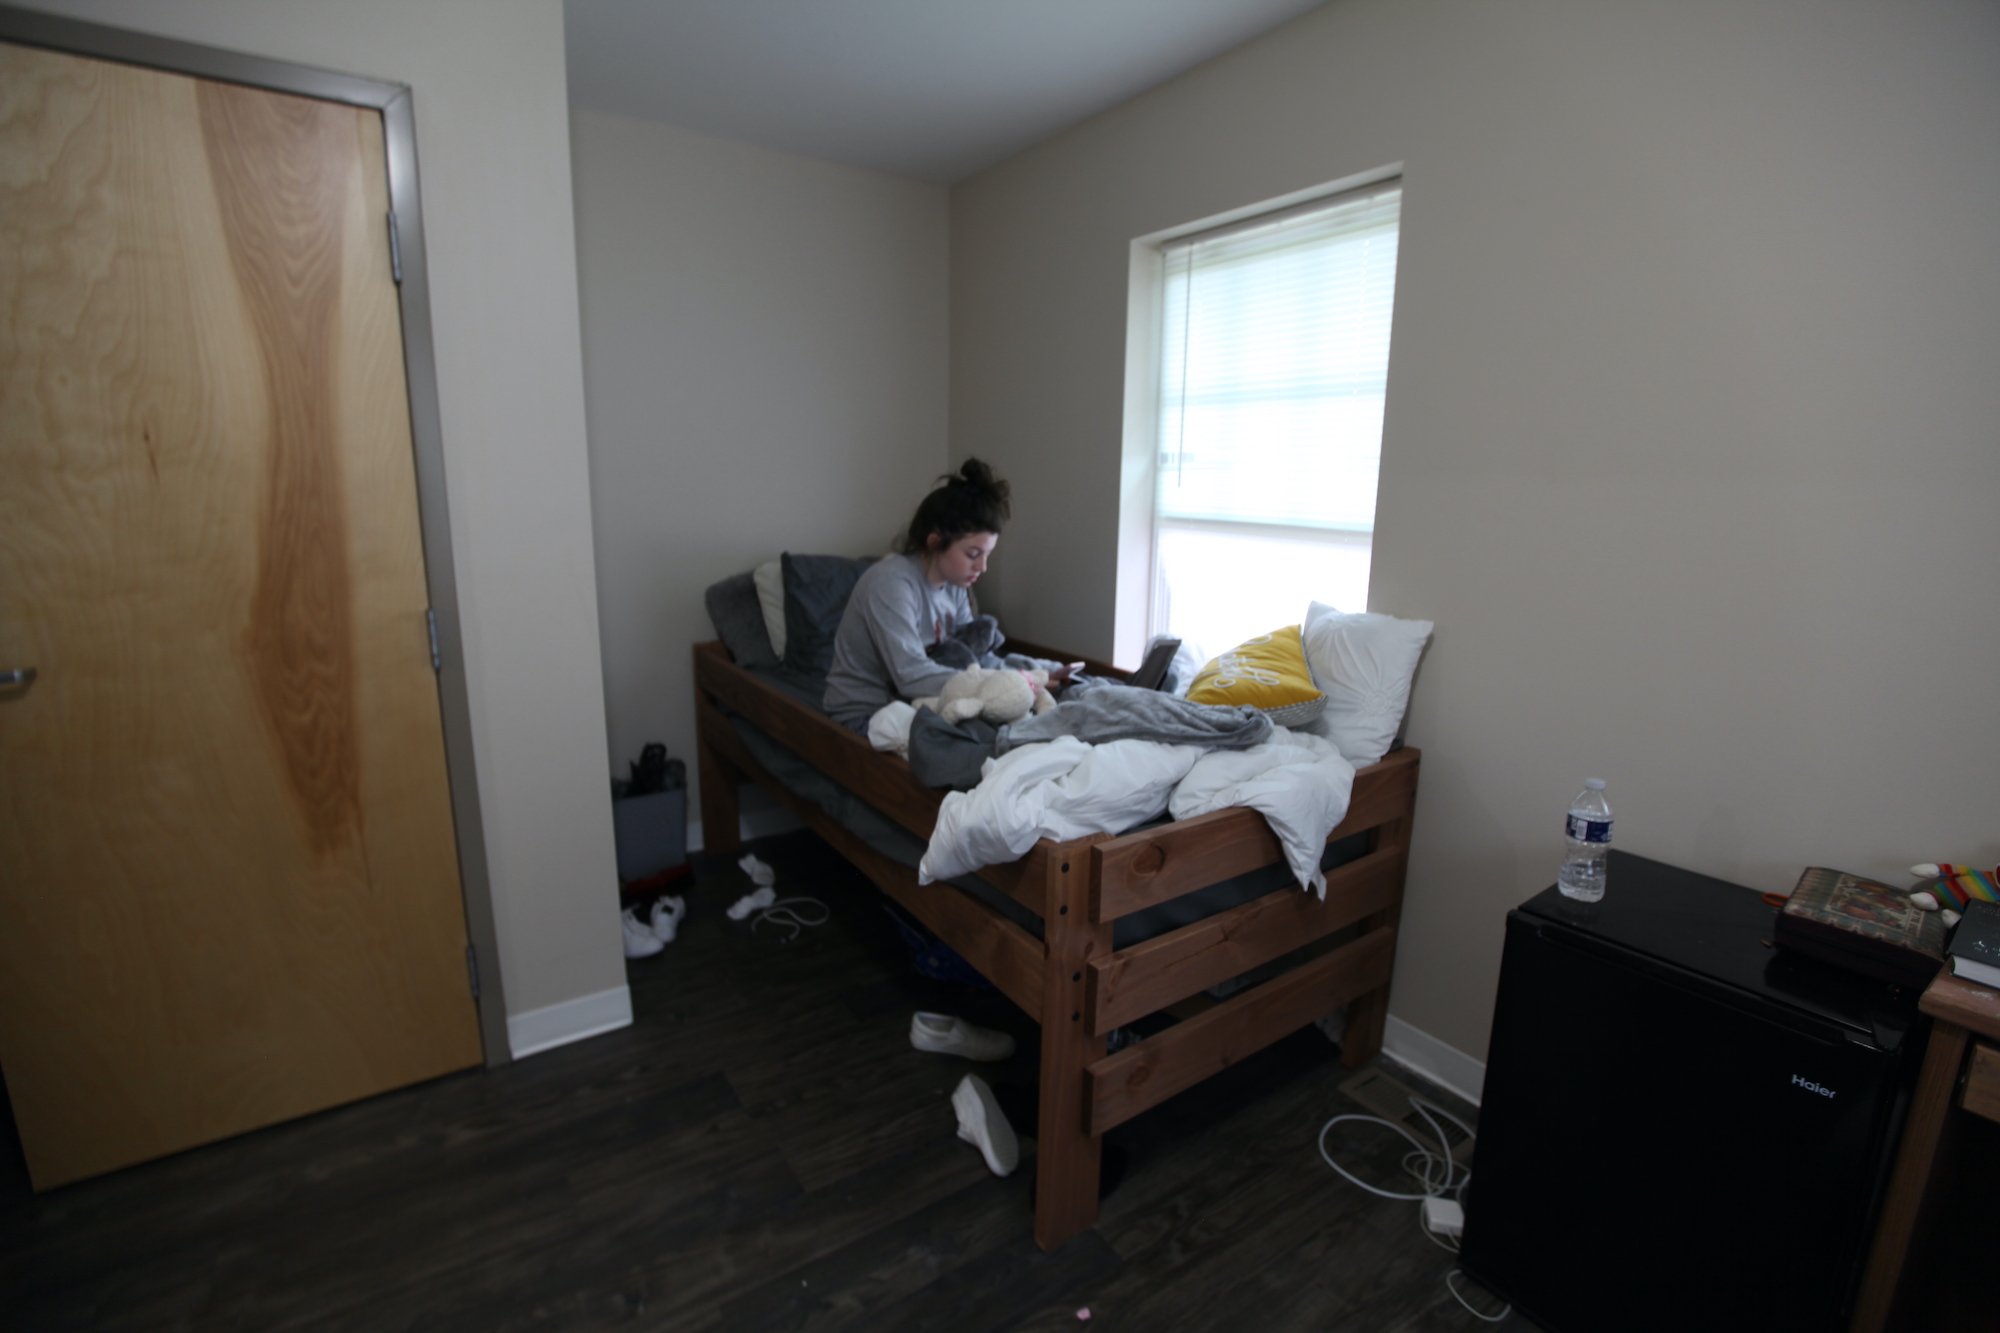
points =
(1071, 981)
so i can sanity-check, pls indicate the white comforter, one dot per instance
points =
(1068, 789)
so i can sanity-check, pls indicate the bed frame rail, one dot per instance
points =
(1147, 977)
(817, 739)
(1145, 1074)
(1149, 866)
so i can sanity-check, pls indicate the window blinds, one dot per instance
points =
(1274, 358)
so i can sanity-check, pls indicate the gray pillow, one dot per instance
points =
(739, 622)
(816, 591)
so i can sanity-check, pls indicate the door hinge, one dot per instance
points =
(472, 969)
(395, 251)
(431, 621)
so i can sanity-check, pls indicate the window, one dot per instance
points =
(1273, 359)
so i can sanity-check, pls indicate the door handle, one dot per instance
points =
(22, 676)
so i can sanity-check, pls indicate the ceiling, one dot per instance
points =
(930, 89)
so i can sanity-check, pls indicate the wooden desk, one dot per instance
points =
(1964, 1044)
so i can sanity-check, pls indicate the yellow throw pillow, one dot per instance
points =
(1268, 673)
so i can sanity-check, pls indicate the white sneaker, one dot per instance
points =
(639, 942)
(981, 1124)
(943, 1034)
(667, 914)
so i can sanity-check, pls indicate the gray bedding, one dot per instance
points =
(1113, 711)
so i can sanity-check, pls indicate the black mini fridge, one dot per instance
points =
(1682, 1127)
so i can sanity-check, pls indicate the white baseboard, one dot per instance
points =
(1446, 1066)
(555, 1025)
(756, 824)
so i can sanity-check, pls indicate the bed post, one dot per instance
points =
(1067, 1155)
(1369, 1015)
(721, 821)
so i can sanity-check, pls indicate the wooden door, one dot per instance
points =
(228, 885)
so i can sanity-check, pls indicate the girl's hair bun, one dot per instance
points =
(980, 477)
(973, 499)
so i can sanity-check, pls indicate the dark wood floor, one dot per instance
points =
(760, 1150)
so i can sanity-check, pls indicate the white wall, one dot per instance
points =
(1691, 431)
(489, 90)
(764, 351)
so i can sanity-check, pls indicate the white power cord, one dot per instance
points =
(1440, 1179)
(1459, 1296)
(764, 905)
(796, 913)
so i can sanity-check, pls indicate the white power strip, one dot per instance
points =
(1443, 1217)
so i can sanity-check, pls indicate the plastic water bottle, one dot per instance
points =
(1587, 833)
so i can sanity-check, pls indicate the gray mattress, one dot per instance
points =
(893, 841)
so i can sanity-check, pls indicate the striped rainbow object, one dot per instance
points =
(1961, 884)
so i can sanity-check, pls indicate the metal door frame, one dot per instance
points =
(23, 27)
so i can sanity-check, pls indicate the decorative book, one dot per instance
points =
(1861, 925)
(1975, 945)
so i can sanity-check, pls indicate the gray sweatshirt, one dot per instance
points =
(878, 651)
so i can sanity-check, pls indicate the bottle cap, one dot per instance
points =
(1595, 784)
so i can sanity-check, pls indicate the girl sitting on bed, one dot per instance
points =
(908, 607)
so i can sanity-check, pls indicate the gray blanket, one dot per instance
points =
(949, 754)
(1110, 712)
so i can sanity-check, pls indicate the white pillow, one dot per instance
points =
(1363, 662)
(770, 579)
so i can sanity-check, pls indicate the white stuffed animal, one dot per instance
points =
(999, 695)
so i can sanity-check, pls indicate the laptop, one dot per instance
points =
(1152, 673)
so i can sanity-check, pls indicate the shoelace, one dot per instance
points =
(786, 912)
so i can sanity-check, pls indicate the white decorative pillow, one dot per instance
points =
(1364, 663)
(770, 580)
